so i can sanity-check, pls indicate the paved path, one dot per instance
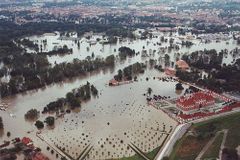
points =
(223, 142)
(210, 143)
(181, 129)
(178, 133)
(167, 149)
(53, 147)
(205, 148)
(138, 151)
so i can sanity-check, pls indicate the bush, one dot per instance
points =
(125, 51)
(50, 121)
(8, 134)
(179, 86)
(32, 114)
(39, 124)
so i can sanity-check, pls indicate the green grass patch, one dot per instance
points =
(189, 148)
(230, 122)
(151, 155)
(213, 150)
(184, 148)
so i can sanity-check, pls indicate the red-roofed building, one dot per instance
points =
(181, 64)
(39, 156)
(27, 141)
(194, 102)
(170, 71)
(113, 82)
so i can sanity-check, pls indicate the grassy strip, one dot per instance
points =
(190, 148)
(177, 145)
(153, 153)
(206, 129)
(230, 122)
(213, 150)
(138, 151)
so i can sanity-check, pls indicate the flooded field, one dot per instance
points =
(118, 118)
(87, 48)
(107, 126)
(120, 113)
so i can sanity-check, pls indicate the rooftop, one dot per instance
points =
(182, 64)
(195, 101)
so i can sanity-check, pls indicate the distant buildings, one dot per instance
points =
(181, 64)
(27, 141)
(113, 82)
(170, 71)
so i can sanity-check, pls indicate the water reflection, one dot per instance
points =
(100, 50)
(112, 102)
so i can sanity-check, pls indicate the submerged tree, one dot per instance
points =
(179, 86)
(149, 91)
(39, 124)
(32, 114)
(50, 121)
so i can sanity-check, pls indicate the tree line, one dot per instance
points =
(128, 72)
(32, 71)
(220, 77)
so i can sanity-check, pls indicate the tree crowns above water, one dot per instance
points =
(31, 71)
(128, 72)
(73, 99)
(219, 77)
(32, 114)
(125, 52)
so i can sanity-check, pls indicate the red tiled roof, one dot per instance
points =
(170, 71)
(195, 100)
(201, 114)
(26, 140)
(113, 82)
(182, 64)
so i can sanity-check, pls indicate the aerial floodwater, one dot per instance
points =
(117, 123)
(119, 79)
(94, 45)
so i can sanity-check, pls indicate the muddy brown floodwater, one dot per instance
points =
(119, 117)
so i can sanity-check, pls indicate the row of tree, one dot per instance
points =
(72, 99)
(220, 77)
(128, 72)
(31, 71)
(58, 51)
(50, 121)
(125, 52)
